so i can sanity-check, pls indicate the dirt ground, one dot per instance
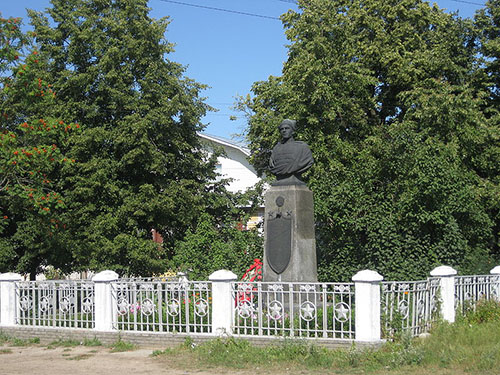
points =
(83, 360)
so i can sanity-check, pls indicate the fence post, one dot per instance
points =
(367, 301)
(496, 288)
(447, 287)
(8, 303)
(104, 307)
(222, 301)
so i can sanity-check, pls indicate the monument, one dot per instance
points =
(289, 242)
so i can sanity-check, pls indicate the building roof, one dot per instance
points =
(241, 146)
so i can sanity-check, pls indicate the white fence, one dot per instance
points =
(367, 310)
(409, 306)
(67, 304)
(320, 310)
(181, 307)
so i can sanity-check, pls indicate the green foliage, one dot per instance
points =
(455, 347)
(92, 342)
(484, 311)
(130, 161)
(64, 343)
(139, 165)
(122, 346)
(388, 95)
(211, 247)
(24, 342)
(31, 154)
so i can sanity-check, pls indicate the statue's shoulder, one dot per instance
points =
(302, 144)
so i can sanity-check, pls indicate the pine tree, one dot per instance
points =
(139, 165)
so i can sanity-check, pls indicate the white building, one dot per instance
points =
(234, 165)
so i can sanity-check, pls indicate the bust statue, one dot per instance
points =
(289, 158)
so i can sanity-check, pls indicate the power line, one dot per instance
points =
(221, 9)
(468, 2)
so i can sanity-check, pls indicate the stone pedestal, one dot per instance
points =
(289, 244)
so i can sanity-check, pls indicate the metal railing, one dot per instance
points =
(320, 310)
(409, 306)
(471, 289)
(178, 307)
(65, 303)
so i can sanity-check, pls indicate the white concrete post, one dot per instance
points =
(105, 308)
(496, 288)
(367, 298)
(8, 303)
(222, 302)
(447, 284)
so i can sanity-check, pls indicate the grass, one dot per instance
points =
(469, 346)
(79, 357)
(122, 346)
(92, 342)
(67, 343)
(63, 343)
(14, 341)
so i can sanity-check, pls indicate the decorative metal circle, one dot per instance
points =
(403, 308)
(468, 296)
(307, 311)
(201, 307)
(433, 304)
(275, 310)
(245, 309)
(420, 308)
(280, 201)
(148, 307)
(342, 312)
(64, 304)
(122, 306)
(25, 303)
(44, 304)
(87, 305)
(173, 307)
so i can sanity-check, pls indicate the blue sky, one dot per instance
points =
(226, 51)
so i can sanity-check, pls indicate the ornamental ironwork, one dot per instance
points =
(173, 307)
(420, 308)
(200, 307)
(403, 308)
(44, 304)
(147, 307)
(87, 305)
(275, 310)
(342, 312)
(123, 306)
(307, 311)
(25, 303)
(64, 304)
(245, 309)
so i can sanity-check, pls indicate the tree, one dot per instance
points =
(139, 165)
(488, 24)
(385, 94)
(30, 155)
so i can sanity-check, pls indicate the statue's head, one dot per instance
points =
(287, 128)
